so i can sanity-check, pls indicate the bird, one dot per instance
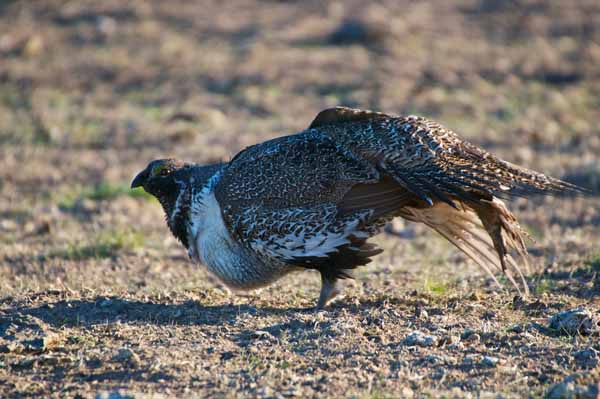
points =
(312, 200)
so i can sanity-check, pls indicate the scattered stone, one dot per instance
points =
(356, 31)
(34, 345)
(114, 395)
(470, 336)
(22, 364)
(265, 392)
(127, 357)
(467, 333)
(440, 359)
(471, 360)
(459, 346)
(574, 321)
(433, 359)
(93, 362)
(259, 334)
(417, 338)
(421, 313)
(48, 360)
(489, 315)
(517, 328)
(449, 339)
(490, 361)
(576, 386)
(15, 347)
(588, 358)
(407, 393)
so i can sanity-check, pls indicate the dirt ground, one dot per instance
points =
(98, 300)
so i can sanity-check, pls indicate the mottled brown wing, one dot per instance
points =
(430, 160)
(385, 198)
(301, 170)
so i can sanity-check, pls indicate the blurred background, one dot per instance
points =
(91, 91)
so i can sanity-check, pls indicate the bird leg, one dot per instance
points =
(329, 290)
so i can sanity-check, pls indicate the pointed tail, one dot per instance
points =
(485, 231)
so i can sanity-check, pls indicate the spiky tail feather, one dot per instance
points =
(484, 231)
(524, 182)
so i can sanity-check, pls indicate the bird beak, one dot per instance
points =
(140, 179)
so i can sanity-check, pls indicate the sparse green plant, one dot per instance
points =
(105, 245)
(593, 261)
(435, 287)
(544, 285)
(99, 192)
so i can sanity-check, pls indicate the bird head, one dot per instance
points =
(168, 180)
(160, 177)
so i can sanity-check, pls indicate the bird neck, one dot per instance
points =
(177, 207)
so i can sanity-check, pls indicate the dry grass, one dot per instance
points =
(97, 298)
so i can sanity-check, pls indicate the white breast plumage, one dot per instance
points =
(212, 244)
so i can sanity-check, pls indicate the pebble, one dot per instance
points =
(574, 321)
(417, 338)
(570, 388)
(490, 361)
(459, 346)
(470, 336)
(127, 356)
(588, 358)
(440, 359)
(354, 31)
(26, 363)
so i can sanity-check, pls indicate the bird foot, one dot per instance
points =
(329, 290)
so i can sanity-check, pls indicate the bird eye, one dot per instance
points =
(160, 170)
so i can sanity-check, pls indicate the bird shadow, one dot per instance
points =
(103, 310)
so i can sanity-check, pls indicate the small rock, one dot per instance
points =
(34, 345)
(15, 347)
(459, 346)
(52, 341)
(265, 392)
(470, 336)
(440, 359)
(434, 359)
(258, 334)
(489, 315)
(450, 340)
(490, 361)
(93, 362)
(574, 321)
(358, 31)
(588, 358)
(48, 360)
(26, 363)
(517, 329)
(8, 225)
(421, 313)
(471, 360)
(114, 395)
(417, 338)
(407, 393)
(574, 387)
(128, 357)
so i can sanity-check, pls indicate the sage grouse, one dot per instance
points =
(313, 199)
